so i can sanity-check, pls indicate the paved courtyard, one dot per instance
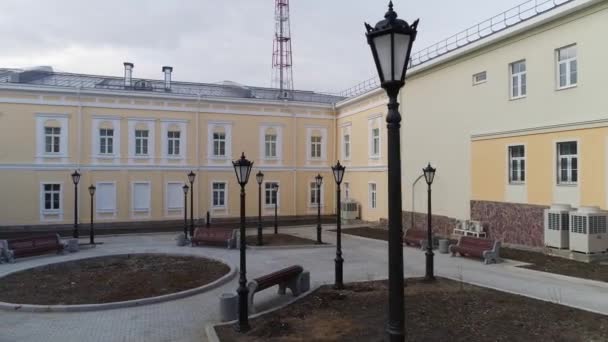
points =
(185, 319)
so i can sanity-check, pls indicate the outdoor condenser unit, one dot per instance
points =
(557, 223)
(350, 210)
(588, 230)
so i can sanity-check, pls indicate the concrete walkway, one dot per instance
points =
(185, 319)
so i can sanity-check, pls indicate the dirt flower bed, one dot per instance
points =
(109, 279)
(372, 233)
(442, 311)
(279, 240)
(552, 264)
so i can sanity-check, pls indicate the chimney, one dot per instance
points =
(167, 70)
(128, 74)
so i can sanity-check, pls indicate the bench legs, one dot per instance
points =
(294, 284)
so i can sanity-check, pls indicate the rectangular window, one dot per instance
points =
(173, 139)
(219, 144)
(518, 79)
(517, 164)
(567, 66)
(270, 195)
(347, 146)
(106, 141)
(141, 142)
(480, 77)
(105, 196)
(175, 196)
(52, 138)
(219, 195)
(567, 162)
(375, 141)
(141, 197)
(372, 196)
(315, 147)
(315, 196)
(52, 196)
(270, 142)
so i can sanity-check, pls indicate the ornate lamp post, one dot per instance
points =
(391, 43)
(429, 175)
(319, 181)
(242, 168)
(75, 179)
(275, 188)
(338, 171)
(92, 233)
(259, 177)
(185, 188)
(191, 177)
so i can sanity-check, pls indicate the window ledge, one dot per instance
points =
(106, 211)
(517, 183)
(53, 155)
(141, 210)
(219, 157)
(106, 156)
(271, 158)
(567, 184)
(141, 156)
(223, 207)
(518, 98)
(174, 157)
(52, 212)
(375, 157)
(566, 87)
(271, 206)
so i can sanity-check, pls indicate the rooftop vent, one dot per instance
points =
(167, 70)
(128, 74)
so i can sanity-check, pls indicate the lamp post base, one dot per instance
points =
(429, 276)
(339, 283)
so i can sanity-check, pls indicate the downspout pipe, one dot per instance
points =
(413, 199)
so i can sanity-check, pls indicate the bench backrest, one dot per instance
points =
(215, 232)
(277, 277)
(416, 233)
(473, 242)
(34, 241)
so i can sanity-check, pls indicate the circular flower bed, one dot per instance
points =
(109, 279)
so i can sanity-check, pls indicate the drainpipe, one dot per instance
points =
(197, 157)
(335, 129)
(413, 198)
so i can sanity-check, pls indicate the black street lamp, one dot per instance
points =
(191, 177)
(429, 175)
(75, 179)
(318, 182)
(391, 43)
(242, 168)
(275, 189)
(92, 233)
(259, 177)
(338, 171)
(185, 188)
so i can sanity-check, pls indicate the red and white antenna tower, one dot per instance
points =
(282, 75)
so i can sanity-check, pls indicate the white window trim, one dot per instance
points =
(140, 212)
(151, 141)
(509, 181)
(346, 190)
(219, 207)
(227, 127)
(51, 214)
(555, 163)
(41, 119)
(112, 211)
(475, 82)
(177, 210)
(519, 78)
(95, 148)
(374, 121)
(309, 131)
(567, 62)
(278, 128)
(322, 201)
(271, 206)
(369, 195)
(183, 134)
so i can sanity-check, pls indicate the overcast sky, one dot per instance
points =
(211, 41)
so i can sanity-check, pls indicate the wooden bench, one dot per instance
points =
(415, 237)
(214, 236)
(34, 245)
(488, 250)
(288, 277)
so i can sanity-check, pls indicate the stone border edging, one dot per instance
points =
(123, 304)
(210, 328)
(324, 245)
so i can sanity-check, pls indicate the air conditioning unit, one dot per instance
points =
(349, 210)
(557, 223)
(588, 230)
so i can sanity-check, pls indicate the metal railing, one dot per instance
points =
(486, 28)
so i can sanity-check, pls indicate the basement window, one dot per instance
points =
(480, 77)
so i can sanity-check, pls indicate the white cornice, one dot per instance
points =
(558, 127)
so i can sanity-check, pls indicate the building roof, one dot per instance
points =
(46, 77)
